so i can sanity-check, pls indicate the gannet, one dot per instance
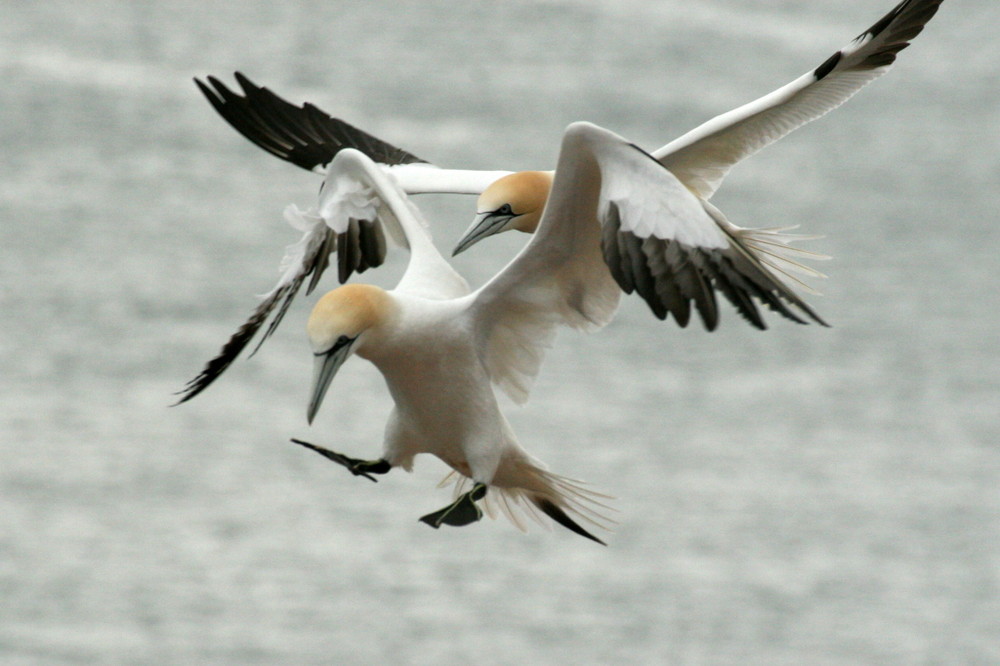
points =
(671, 260)
(701, 158)
(441, 348)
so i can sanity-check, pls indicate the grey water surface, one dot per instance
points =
(795, 496)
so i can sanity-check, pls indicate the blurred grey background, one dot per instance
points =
(801, 495)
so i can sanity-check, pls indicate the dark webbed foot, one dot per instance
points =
(355, 466)
(463, 511)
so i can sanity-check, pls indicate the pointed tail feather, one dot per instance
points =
(560, 498)
(550, 509)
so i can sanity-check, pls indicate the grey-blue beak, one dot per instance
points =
(325, 366)
(485, 224)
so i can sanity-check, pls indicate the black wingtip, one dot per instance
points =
(244, 81)
(305, 135)
(904, 22)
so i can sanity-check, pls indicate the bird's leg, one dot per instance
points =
(462, 511)
(355, 466)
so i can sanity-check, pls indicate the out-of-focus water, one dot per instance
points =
(801, 495)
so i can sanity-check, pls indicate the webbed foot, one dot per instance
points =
(355, 466)
(463, 511)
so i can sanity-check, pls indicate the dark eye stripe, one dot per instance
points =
(341, 342)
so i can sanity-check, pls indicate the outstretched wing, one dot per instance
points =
(616, 220)
(308, 137)
(701, 158)
(359, 206)
(304, 135)
(309, 257)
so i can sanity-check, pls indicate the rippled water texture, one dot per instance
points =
(796, 496)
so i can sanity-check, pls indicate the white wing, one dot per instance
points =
(359, 205)
(617, 220)
(356, 187)
(702, 157)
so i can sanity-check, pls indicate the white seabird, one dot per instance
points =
(670, 260)
(441, 348)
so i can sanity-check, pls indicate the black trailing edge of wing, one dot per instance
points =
(304, 135)
(670, 276)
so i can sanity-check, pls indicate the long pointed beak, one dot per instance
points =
(485, 224)
(325, 366)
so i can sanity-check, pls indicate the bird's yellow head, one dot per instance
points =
(335, 328)
(346, 311)
(515, 201)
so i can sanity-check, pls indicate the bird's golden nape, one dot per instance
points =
(514, 202)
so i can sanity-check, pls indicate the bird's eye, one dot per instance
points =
(342, 340)
(505, 210)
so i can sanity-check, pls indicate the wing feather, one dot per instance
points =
(702, 157)
(304, 135)
(349, 252)
(667, 290)
(308, 257)
(692, 283)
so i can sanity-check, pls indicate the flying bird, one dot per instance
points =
(701, 158)
(442, 348)
(674, 256)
